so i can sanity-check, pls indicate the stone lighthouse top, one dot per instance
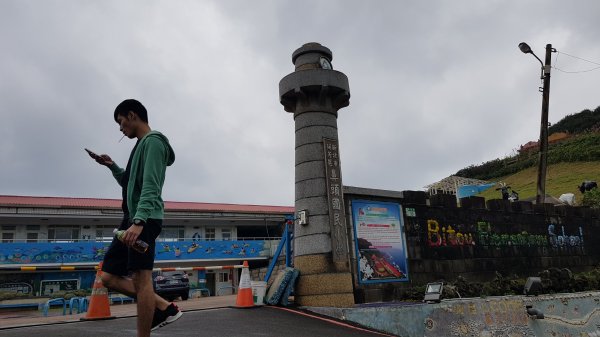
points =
(314, 85)
(310, 56)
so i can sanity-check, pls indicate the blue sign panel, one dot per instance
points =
(93, 252)
(380, 241)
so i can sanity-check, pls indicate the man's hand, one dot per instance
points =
(104, 159)
(131, 234)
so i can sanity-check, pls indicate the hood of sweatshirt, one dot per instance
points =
(163, 138)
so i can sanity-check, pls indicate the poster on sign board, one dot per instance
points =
(380, 241)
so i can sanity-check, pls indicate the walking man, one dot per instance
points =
(124, 269)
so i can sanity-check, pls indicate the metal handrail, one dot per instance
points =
(199, 290)
(55, 301)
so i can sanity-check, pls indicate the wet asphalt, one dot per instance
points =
(233, 322)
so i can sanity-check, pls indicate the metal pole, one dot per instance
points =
(541, 180)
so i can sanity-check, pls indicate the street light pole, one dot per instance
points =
(543, 143)
(541, 180)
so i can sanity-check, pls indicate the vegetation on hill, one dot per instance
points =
(570, 162)
(580, 148)
(582, 122)
(561, 178)
(583, 146)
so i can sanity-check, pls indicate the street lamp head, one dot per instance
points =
(525, 48)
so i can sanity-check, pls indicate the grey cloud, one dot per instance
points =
(436, 86)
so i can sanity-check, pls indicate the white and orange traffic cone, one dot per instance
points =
(99, 305)
(244, 297)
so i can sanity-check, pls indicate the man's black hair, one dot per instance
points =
(131, 105)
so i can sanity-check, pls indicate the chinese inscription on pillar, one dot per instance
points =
(335, 198)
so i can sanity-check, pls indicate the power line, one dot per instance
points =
(579, 58)
(576, 57)
(576, 72)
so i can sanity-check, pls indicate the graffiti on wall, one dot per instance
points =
(486, 236)
(504, 317)
(564, 240)
(568, 315)
(439, 235)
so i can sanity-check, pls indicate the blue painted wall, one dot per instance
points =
(86, 252)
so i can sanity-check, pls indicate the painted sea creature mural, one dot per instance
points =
(193, 247)
(93, 252)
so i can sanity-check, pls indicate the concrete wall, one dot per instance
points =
(478, 239)
(564, 315)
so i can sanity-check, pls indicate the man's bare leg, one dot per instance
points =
(146, 301)
(125, 286)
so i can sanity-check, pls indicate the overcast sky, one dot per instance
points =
(435, 86)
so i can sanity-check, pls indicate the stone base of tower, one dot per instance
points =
(321, 284)
(330, 300)
(319, 264)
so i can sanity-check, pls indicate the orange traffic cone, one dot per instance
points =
(244, 297)
(99, 307)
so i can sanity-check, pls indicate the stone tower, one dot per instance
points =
(314, 93)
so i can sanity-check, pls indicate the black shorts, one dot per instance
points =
(121, 260)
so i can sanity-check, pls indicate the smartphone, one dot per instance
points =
(92, 154)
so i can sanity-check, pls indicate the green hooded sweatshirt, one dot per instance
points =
(148, 166)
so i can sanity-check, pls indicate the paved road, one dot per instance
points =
(263, 321)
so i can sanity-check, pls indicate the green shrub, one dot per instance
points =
(67, 295)
(592, 198)
(9, 295)
(554, 280)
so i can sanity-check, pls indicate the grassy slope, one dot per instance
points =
(560, 178)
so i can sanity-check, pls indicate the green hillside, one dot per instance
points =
(582, 122)
(560, 178)
(578, 148)
(570, 161)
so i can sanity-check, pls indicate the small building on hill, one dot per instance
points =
(529, 147)
(554, 138)
(450, 184)
(558, 137)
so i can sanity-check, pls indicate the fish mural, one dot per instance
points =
(93, 252)
(193, 247)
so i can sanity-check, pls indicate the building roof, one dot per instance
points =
(449, 184)
(63, 202)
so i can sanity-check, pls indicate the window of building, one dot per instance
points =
(32, 237)
(33, 227)
(209, 234)
(8, 233)
(226, 234)
(223, 277)
(57, 233)
(104, 233)
(8, 237)
(171, 234)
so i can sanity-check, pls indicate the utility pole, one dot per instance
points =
(543, 143)
(541, 179)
